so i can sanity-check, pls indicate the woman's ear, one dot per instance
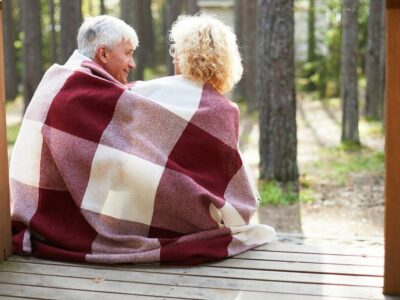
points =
(101, 55)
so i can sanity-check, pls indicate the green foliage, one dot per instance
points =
(272, 193)
(92, 8)
(307, 195)
(12, 133)
(314, 77)
(349, 146)
(160, 36)
(152, 73)
(243, 108)
(372, 128)
(334, 43)
(338, 162)
(18, 38)
(45, 20)
(321, 72)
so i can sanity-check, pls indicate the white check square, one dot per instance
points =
(122, 185)
(168, 91)
(26, 155)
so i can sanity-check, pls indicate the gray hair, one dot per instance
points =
(106, 31)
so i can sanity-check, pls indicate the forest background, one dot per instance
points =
(311, 98)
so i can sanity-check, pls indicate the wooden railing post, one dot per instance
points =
(392, 179)
(5, 222)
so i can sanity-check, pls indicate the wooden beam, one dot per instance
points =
(5, 222)
(392, 157)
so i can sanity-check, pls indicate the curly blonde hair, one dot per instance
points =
(205, 49)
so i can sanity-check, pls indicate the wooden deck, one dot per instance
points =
(278, 271)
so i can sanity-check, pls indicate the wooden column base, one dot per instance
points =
(392, 180)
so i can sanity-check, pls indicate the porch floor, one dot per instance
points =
(276, 271)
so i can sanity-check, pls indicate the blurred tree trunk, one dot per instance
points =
(383, 61)
(276, 92)
(172, 10)
(249, 53)
(149, 34)
(144, 27)
(128, 9)
(375, 61)
(53, 36)
(32, 57)
(140, 27)
(191, 7)
(10, 63)
(238, 93)
(103, 9)
(349, 90)
(311, 43)
(70, 21)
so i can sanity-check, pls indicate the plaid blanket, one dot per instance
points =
(107, 173)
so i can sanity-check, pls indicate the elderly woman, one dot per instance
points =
(205, 49)
(107, 172)
(205, 186)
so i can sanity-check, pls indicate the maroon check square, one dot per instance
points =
(204, 158)
(61, 222)
(84, 106)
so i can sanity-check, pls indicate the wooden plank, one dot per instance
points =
(36, 292)
(165, 289)
(392, 158)
(299, 267)
(15, 297)
(240, 264)
(2, 297)
(109, 286)
(54, 293)
(312, 258)
(244, 279)
(316, 249)
(325, 239)
(232, 273)
(5, 223)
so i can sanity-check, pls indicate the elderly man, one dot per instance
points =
(107, 172)
(109, 42)
(67, 116)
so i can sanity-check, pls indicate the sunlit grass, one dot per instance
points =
(12, 133)
(337, 163)
(371, 128)
(272, 192)
(333, 103)
(336, 166)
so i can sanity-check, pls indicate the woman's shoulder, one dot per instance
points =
(181, 90)
(175, 93)
(176, 82)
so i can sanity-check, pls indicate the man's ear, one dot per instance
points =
(101, 55)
